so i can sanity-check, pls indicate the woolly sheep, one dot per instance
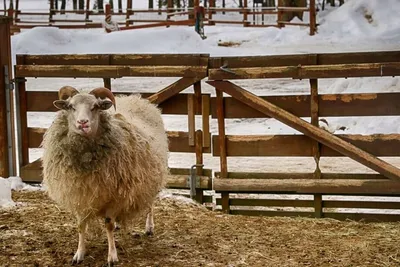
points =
(101, 162)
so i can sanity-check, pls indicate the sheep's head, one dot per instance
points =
(84, 109)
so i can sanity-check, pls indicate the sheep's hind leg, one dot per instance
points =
(150, 222)
(112, 251)
(80, 253)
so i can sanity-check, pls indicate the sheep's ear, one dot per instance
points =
(61, 104)
(105, 104)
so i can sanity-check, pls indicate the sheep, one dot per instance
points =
(102, 162)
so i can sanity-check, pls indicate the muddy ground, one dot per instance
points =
(38, 233)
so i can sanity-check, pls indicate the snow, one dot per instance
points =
(13, 183)
(5, 194)
(358, 25)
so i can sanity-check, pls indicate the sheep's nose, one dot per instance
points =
(83, 121)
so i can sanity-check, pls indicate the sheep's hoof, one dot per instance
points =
(150, 232)
(112, 260)
(78, 258)
(75, 261)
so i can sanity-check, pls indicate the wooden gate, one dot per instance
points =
(315, 142)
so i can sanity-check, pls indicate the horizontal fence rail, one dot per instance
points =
(237, 188)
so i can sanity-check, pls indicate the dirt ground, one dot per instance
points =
(38, 233)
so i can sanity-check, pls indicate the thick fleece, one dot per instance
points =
(116, 174)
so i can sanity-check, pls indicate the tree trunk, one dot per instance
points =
(5, 7)
(341, 2)
(151, 4)
(111, 2)
(81, 4)
(178, 4)
(240, 3)
(100, 6)
(63, 4)
(11, 4)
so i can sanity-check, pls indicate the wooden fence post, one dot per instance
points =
(5, 98)
(313, 22)
(245, 23)
(128, 12)
(222, 148)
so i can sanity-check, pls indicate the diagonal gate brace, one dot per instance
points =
(172, 90)
(308, 129)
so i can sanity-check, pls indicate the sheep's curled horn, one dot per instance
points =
(66, 92)
(103, 93)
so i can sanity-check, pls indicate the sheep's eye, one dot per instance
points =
(71, 107)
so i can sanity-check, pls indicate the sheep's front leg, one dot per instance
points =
(112, 251)
(80, 253)
(150, 222)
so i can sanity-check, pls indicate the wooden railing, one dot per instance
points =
(249, 17)
(221, 71)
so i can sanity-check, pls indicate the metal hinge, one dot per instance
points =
(193, 181)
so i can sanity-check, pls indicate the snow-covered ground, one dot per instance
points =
(359, 25)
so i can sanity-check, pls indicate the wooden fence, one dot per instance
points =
(249, 17)
(191, 69)
(314, 143)
(235, 186)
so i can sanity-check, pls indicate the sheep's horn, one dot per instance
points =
(66, 92)
(102, 93)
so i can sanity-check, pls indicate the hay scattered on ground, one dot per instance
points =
(38, 233)
(229, 44)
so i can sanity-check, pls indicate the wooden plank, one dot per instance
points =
(385, 104)
(43, 101)
(65, 59)
(264, 145)
(313, 18)
(178, 141)
(5, 61)
(186, 171)
(313, 186)
(358, 57)
(251, 202)
(160, 59)
(312, 131)
(259, 61)
(318, 206)
(180, 182)
(291, 175)
(191, 119)
(107, 83)
(32, 172)
(309, 72)
(302, 146)
(361, 204)
(271, 213)
(205, 111)
(172, 90)
(199, 161)
(295, 60)
(363, 217)
(222, 147)
(94, 71)
(335, 105)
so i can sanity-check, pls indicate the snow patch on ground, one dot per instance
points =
(13, 183)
